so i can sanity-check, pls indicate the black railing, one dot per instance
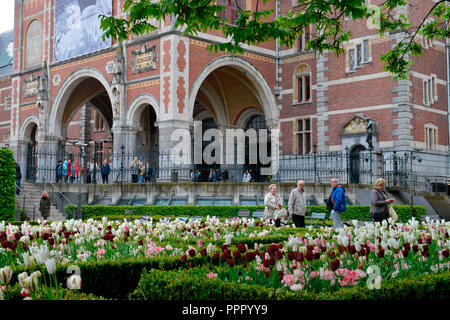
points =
(363, 167)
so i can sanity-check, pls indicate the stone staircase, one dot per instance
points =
(34, 193)
(440, 204)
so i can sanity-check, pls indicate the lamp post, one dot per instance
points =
(412, 157)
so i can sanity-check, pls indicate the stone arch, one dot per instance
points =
(265, 95)
(138, 105)
(246, 115)
(66, 89)
(25, 132)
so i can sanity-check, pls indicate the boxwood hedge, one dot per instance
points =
(353, 212)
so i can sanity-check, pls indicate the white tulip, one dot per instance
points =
(74, 282)
(5, 275)
(51, 266)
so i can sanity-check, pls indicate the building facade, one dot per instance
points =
(68, 87)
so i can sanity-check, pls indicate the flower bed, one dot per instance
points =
(244, 252)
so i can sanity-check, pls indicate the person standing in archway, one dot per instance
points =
(134, 170)
(105, 171)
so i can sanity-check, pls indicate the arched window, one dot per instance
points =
(33, 44)
(302, 84)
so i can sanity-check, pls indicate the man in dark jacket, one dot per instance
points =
(224, 174)
(105, 171)
(338, 202)
(148, 173)
(18, 177)
(44, 205)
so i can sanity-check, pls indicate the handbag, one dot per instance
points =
(282, 213)
(393, 214)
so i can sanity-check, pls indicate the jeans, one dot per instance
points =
(336, 216)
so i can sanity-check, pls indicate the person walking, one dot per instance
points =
(338, 203)
(44, 205)
(197, 175)
(273, 206)
(213, 176)
(247, 176)
(105, 170)
(134, 170)
(379, 202)
(18, 177)
(297, 204)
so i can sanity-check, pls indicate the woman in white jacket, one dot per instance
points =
(247, 176)
(272, 203)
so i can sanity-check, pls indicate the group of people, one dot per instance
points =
(214, 175)
(73, 173)
(336, 204)
(140, 172)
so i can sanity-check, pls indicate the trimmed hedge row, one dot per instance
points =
(7, 185)
(111, 278)
(163, 285)
(353, 212)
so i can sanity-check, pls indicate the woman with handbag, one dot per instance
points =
(379, 209)
(273, 206)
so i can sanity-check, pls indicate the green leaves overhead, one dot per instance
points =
(262, 24)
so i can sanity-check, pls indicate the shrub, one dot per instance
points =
(353, 212)
(7, 185)
(193, 285)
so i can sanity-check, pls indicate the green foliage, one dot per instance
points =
(117, 212)
(194, 285)
(261, 24)
(111, 278)
(7, 185)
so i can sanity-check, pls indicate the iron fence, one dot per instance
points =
(361, 168)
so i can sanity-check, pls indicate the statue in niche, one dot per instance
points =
(369, 133)
(116, 102)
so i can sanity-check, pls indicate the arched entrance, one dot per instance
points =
(32, 151)
(356, 164)
(220, 96)
(81, 120)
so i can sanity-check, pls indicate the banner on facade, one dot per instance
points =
(77, 27)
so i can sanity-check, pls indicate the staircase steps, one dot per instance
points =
(34, 193)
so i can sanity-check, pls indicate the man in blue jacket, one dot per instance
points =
(338, 203)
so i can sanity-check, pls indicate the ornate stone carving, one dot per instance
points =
(31, 86)
(356, 125)
(144, 59)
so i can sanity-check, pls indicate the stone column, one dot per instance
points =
(170, 147)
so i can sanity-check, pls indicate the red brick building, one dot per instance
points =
(66, 85)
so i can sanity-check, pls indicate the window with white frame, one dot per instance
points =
(351, 60)
(302, 84)
(357, 54)
(302, 136)
(303, 39)
(430, 90)
(431, 136)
